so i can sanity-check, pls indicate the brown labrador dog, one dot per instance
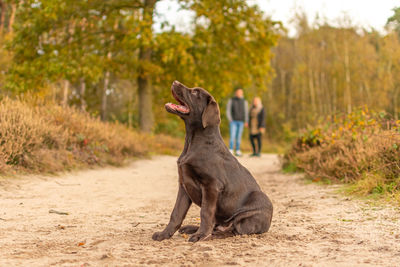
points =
(211, 177)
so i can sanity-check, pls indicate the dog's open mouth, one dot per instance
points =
(182, 108)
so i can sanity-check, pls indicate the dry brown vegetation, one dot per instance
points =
(361, 148)
(48, 138)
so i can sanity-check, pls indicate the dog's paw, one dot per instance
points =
(199, 237)
(188, 229)
(159, 236)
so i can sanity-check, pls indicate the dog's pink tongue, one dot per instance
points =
(180, 108)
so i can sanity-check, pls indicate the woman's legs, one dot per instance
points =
(252, 137)
(259, 139)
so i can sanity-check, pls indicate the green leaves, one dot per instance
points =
(64, 40)
(229, 44)
(395, 20)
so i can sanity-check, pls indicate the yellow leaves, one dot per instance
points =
(316, 131)
(186, 236)
(316, 180)
(355, 126)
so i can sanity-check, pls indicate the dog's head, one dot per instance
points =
(197, 106)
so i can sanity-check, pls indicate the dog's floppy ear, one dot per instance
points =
(211, 115)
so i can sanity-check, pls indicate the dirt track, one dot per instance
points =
(112, 214)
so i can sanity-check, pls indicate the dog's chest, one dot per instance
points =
(191, 186)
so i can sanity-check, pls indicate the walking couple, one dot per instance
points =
(239, 117)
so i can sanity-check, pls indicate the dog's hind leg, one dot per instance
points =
(256, 215)
(254, 222)
(188, 229)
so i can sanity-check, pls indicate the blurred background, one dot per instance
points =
(116, 59)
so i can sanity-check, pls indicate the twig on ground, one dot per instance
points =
(58, 212)
(62, 227)
(66, 184)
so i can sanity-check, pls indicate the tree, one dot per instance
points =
(146, 118)
(395, 20)
(82, 44)
(326, 70)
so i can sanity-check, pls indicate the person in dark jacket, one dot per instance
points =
(237, 112)
(256, 125)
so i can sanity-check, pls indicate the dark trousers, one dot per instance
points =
(253, 138)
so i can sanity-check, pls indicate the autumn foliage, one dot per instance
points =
(362, 147)
(48, 138)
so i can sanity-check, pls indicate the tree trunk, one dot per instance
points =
(107, 81)
(65, 93)
(290, 97)
(3, 7)
(318, 92)
(347, 95)
(282, 75)
(146, 119)
(396, 103)
(104, 97)
(82, 94)
(12, 17)
(367, 92)
(312, 89)
(334, 96)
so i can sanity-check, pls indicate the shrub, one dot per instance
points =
(361, 147)
(50, 138)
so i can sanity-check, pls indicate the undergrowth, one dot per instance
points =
(49, 138)
(361, 148)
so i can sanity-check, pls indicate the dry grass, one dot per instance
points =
(50, 138)
(362, 149)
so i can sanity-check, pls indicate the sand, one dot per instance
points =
(113, 212)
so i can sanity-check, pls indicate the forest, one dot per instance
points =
(88, 154)
(105, 58)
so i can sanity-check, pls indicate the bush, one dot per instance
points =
(361, 148)
(50, 138)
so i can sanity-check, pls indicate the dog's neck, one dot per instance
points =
(202, 136)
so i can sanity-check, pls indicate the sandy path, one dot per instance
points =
(114, 212)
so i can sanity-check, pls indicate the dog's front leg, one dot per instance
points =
(207, 213)
(181, 207)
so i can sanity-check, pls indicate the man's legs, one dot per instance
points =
(239, 133)
(232, 134)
